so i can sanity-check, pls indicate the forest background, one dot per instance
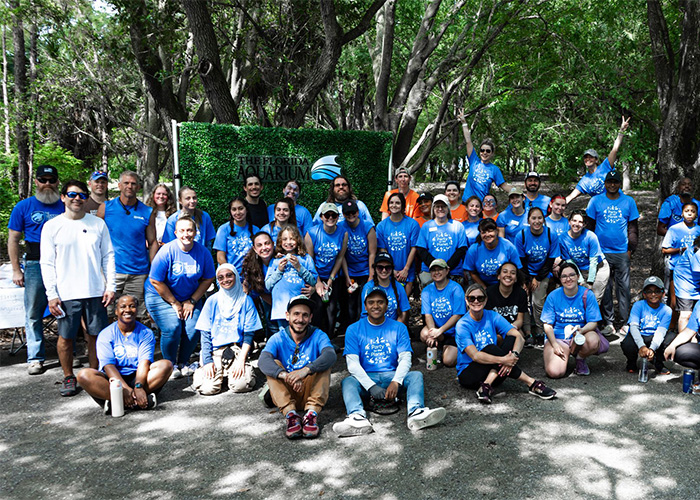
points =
(92, 85)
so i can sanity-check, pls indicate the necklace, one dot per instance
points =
(127, 207)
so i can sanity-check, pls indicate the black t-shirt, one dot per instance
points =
(259, 213)
(507, 307)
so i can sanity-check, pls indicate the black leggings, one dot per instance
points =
(474, 374)
(688, 355)
(629, 349)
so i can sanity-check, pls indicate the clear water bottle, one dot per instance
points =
(644, 371)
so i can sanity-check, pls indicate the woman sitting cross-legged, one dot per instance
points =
(227, 324)
(481, 363)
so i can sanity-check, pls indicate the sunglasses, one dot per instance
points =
(330, 215)
(477, 298)
(295, 356)
(73, 195)
(484, 150)
(384, 268)
(44, 180)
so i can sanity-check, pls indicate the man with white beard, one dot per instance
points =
(28, 218)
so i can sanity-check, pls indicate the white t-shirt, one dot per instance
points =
(161, 221)
(77, 258)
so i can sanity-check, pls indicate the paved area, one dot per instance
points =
(605, 436)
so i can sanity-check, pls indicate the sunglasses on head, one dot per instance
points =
(74, 194)
(295, 356)
(45, 180)
(476, 298)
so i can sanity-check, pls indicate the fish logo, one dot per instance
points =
(326, 168)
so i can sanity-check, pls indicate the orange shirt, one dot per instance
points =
(420, 220)
(460, 213)
(411, 202)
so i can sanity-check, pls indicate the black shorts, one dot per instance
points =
(684, 304)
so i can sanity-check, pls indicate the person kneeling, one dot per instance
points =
(227, 324)
(125, 353)
(378, 355)
(482, 364)
(297, 361)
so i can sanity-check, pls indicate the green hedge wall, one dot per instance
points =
(210, 158)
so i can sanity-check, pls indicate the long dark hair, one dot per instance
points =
(248, 217)
(331, 197)
(292, 221)
(253, 267)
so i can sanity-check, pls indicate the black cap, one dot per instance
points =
(46, 170)
(301, 300)
(349, 207)
(376, 291)
(383, 257)
(613, 176)
(425, 196)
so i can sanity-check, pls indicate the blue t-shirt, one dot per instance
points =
(593, 184)
(694, 321)
(181, 271)
(612, 218)
(581, 249)
(443, 304)
(686, 275)
(679, 236)
(364, 213)
(223, 331)
(304, 219)
(398, 238)
(273, 231)
(125, 352)
(511, 222)
(541, 202)
(289, 285)
(236, 246)
(30, 215)
(558, 226)
(471, 230)
(480, 177)
(357, 253)
(671, 211)
(377, 346)
(479, 334)
(486, 262)
(282, 348)
(395, 304)
(326, 248)
(442, 241)
(128, 233)
(537, 249)
(560, 310)
(205, 230)
(648, 318)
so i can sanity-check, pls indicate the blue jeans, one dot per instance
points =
(35, 303)
(174, 332)
(412, 387)
(620, 273)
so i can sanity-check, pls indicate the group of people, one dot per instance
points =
(490, 283)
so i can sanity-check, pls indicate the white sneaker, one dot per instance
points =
(176, 373)
(622, 332)
(35, 368)
(353, 425)
(188, 370)
(425, 417)
(608, 330)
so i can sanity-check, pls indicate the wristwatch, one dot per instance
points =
(517, 354)
(192, 301)
(138, 386)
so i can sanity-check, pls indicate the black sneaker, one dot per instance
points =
(152, 402)
(542, 391)
(69, 386)
(529, 342)
(484, 393)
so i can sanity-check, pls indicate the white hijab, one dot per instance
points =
(230, 301)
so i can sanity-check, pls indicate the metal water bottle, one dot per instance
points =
(116, 397)
(688, 380)
(644, 371)
(431, 355)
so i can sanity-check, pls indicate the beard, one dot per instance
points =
(48, 196)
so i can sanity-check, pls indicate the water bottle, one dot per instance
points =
(644, 371)
(579, 340)
(431, 356)
(116, 397)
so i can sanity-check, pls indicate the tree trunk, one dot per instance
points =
(20, 73)
(5, 97)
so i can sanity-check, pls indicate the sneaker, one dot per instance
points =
(188, 370)
(608, 330)
(582, 367)
(622, 332)
(35, 368)
(152, 402)
(662, 370)
(538, 341)
(529, 342)
(176, 373)
(294, 430)
(77, 363)
(69, 386)
(265, 396)
(484, 393)
(310, 424)
(425, 417)
(542, 391)
(353, 425)
(107, 408)
(631, 368)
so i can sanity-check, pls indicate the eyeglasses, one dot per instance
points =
(568, 277)
(330, 215)
(74, 194)
(44, 180)
(295, 356)
(344, 184)
(384, 268)
(654, 291)
(476, 298)
(484, 150)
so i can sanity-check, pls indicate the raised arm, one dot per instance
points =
(465, 130)
(612, 156)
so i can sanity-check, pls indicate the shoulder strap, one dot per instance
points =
(585, 309)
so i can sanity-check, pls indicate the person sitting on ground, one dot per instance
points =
(399, 307)
(378, 355)
(648, 328)
(442, 305)
(226, 324)
(482, 364)
(509, 299)
(685, 349)
(575, 307)
(297, 362)
(125, 353)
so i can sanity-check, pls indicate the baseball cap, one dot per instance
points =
(653, 281)
(425, 196)
(300, 300)
(532, 174)
(98, 174)
(439, 263)
(401, 170)
(515, 190)
(329, 207)
(376, 291)
(591, 152)
(442, 198)
(383, 257)
(349, 207)
(613, 176)
(46, 170)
